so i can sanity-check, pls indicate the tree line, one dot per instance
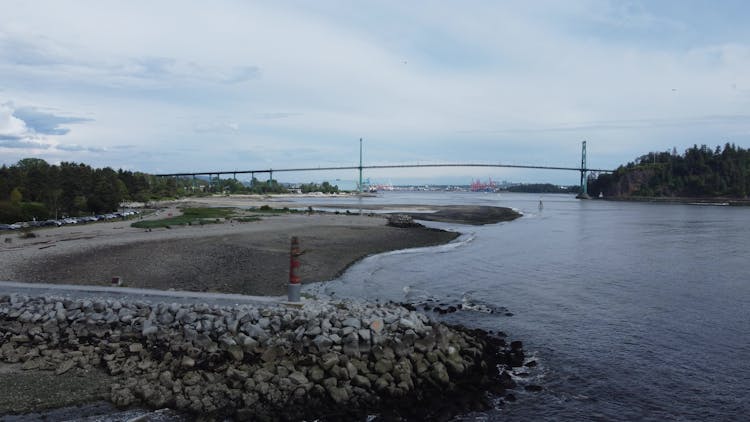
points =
(34, 189)
(324, 187)
(235, 186)
(699, 172)
(542, 188)
(259, 187)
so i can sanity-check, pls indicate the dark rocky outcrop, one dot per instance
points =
(402, 221)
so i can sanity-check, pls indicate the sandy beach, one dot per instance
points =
(231, 257)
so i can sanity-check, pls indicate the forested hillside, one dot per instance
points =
(32, 188)
(542, 188)
(700, 172)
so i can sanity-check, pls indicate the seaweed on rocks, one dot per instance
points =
(472, 392)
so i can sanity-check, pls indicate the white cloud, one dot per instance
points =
(12, 127)
(414, 79)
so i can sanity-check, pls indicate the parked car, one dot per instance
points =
(6, 227)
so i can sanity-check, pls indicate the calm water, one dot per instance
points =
(634, 311)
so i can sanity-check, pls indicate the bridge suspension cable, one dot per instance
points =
(374, 167)
(583, 169)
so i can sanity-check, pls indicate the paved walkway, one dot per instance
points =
(129, 293)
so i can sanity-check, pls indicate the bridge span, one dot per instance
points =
(583, 169)
(371, 167)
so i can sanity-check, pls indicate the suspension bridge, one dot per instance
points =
(583, 169)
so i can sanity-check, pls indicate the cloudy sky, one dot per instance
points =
(167, 86)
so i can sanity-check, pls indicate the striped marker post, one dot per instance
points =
(295, 286)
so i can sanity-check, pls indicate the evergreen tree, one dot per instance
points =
(699, 172)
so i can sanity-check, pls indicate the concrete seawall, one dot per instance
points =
(270, 361)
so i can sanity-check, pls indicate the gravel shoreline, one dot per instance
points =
(247, 258)
(325, 360)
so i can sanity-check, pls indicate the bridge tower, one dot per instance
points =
(360, 165)
(584, 182)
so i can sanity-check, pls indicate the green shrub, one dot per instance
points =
(9, 212)
(32, 210)
(190, 216)
(268, 210)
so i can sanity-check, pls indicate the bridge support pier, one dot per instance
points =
(584, 194)
(360, 165)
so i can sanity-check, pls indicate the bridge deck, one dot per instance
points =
(389, 166)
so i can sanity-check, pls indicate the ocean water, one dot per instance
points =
(633, 311)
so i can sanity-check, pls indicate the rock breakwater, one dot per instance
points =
(329, 361)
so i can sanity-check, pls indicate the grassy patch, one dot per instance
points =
(190, 216)
(208, 212)
(265, 209)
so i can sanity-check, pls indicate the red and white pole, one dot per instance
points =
(295, 287)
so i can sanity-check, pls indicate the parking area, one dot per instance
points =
(123, 215)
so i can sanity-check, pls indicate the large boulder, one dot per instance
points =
(402, 221)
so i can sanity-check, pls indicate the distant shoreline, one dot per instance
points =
(680, 200)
